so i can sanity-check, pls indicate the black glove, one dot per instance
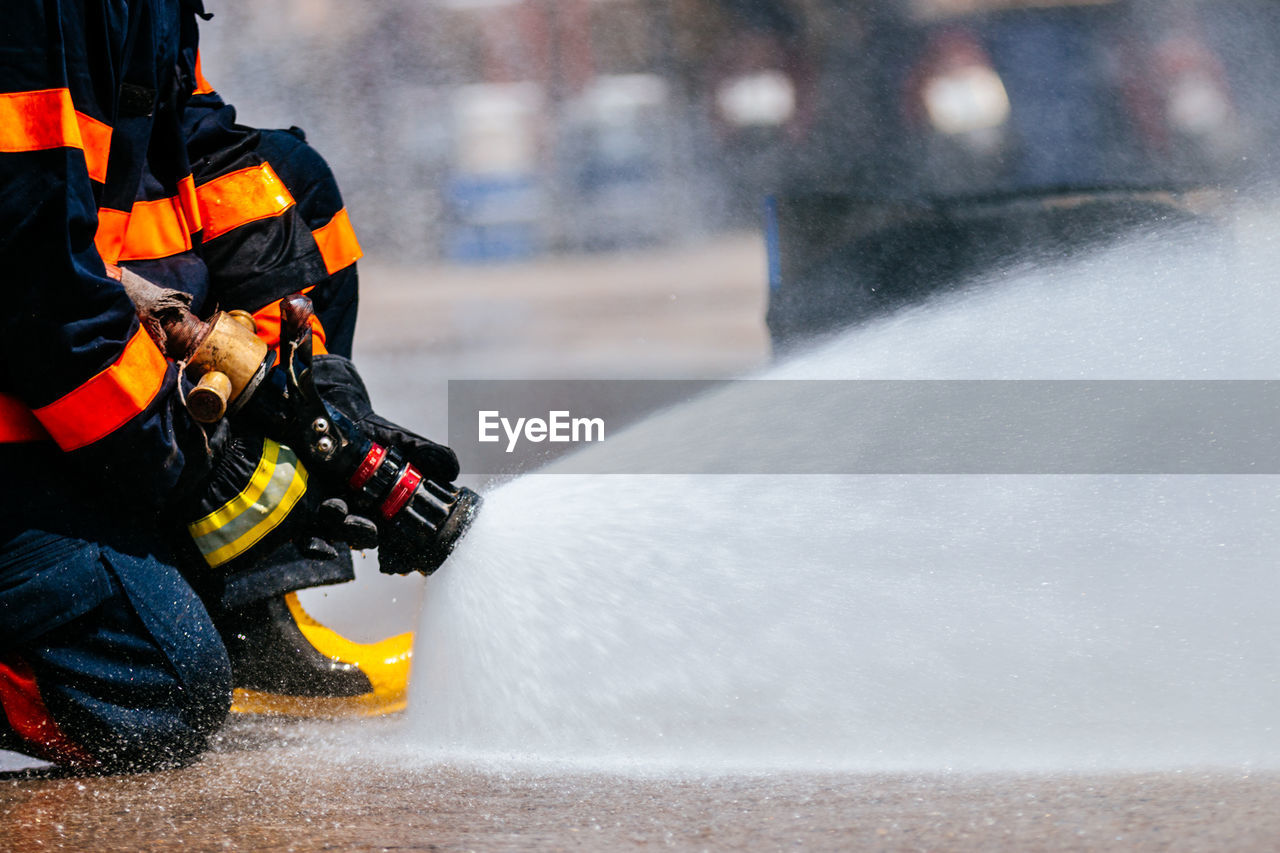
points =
(341, 387)
(259, 495)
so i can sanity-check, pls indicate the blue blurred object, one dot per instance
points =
(494, 218)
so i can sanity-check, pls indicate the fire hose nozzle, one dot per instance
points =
(419, 520)
(429, 526)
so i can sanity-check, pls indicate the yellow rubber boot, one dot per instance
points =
(285, 662)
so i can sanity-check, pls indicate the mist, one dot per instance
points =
(713, 622)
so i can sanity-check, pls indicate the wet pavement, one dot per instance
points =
(286, 796)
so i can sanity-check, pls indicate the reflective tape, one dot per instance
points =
(17, 423)
(151, 229)
(109, 238)
(337, 242)
(241, 197)
(277, 484)
(46, 119)
(110, 399)
(96, 137)
(202, 85)
(37, 121)
(189, 204)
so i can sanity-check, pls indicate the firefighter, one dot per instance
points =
(149, 563)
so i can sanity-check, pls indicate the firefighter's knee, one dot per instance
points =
(174, 689)
(138, 682)
(165, 722)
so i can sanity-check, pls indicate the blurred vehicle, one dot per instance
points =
(950, 137)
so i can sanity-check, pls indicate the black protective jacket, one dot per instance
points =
(114, 149)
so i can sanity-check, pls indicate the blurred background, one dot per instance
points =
(486, 130)
(687, 188)
(875, 151)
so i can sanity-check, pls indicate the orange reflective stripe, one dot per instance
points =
(110, 399)
(202, 85)
(152, 229)
(45, 119)
(109, 238)
(243, 196)
(157, 229)
(37, 121)
(97, 145)
(337, 242)
(17, 423)
(189, 203)
(268, 320)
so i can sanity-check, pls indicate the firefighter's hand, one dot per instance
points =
(334, 522)
(341, 387)
(258, 496)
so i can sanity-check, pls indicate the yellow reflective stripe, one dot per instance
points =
(277, 484)
(257, 485)
(297, 488)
